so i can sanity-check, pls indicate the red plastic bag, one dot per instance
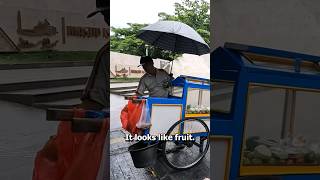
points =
(70, 156)
(46, 162)
(130, 115)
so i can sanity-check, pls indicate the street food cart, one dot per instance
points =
(265, 114)
(185, 111)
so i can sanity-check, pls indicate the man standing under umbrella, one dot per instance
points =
(167, 35)
(70, 155)
(156, 81)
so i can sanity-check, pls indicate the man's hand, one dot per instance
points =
(90, 105)
(138, 94)
(79, 125)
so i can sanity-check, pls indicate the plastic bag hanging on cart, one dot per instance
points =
(144, 120)
(65, 155)
(130, 115)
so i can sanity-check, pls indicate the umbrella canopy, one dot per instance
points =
(174, 36)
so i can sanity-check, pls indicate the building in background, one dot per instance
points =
(126, 65)
(287, 25)
(31, 25)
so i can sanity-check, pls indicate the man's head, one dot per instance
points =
(103, 7)
(147, 64)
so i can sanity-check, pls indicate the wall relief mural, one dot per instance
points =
(43, 28)
(28, 38)
(83, 32)
(122, 70)
(44, 44)
(6, 44)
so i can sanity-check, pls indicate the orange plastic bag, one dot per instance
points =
(46, 162)
(130, 115)
(71, 156)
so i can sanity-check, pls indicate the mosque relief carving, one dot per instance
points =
(41, 29)
(44, 44)
(44, 35)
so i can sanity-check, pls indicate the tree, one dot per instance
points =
(194, 13)
(124, 40)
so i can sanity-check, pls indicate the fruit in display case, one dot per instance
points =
(288, 151)
(197, 109)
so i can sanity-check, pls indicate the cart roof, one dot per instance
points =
(235, 56)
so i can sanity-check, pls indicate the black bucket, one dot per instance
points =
(143, 154)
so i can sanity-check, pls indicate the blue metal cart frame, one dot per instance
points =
(167, 114)
(228, 64)
(184, 82)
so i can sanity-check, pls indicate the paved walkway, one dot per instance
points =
(23, 131)
(121, 165)
(116, 105)
(122, 168)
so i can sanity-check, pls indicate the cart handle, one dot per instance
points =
(69, 114)
(90, 122)
(135, 98)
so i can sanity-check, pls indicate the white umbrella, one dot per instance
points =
(174, 36)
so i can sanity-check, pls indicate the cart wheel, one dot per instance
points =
(181, 155)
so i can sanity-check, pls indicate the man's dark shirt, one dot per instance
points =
(97, 88)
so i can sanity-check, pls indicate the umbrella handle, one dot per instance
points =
(171, 67)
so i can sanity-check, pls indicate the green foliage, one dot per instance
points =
(47, 57)
(124, 40)
(194, 13)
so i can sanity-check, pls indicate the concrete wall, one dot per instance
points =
(287, 24)
(184, 65)
(121, 60)
(33, 11)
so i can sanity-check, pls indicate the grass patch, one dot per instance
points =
(46, 57)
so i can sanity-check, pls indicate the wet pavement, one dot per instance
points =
(23, 131)
(116, 105)
(122, 168)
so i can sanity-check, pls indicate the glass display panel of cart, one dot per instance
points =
(221, 96)
(306, 127)
(177, 91)
(281, 131)
(198, 102)
(197, 81)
